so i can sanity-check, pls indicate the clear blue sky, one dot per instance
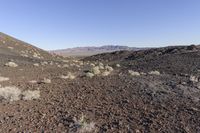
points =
(56, 24)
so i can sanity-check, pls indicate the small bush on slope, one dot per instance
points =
(3, 79)
(89, 74)
(109, 68)
(69, 76)
(10, 93)
(31, 95)
(96, 70)
(11, 64)
(154, 73)
(81, 126)
(133, 73)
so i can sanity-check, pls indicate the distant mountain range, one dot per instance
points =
(88, 51)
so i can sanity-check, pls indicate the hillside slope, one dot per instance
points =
(15, 47)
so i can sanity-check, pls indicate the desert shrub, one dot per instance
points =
(101, 65)
(10, 93)
(30, 95)
(3, 79)
(46, 81)
(36, 64)
(109, 68)
(10, 47)
(194, 79)
(35, 55)
(92, 64)
(33, 81)
(133, 73)
(69, 76)
(24, 55)
(65, 66)
(82, 126)
(44, 63)
(154, 72)
(105, 73)
(89, 74)
(11, 64)
(96, 70)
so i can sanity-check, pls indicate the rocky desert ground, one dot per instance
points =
(146, 91)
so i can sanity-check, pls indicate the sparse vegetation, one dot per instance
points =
(36, 64)
(193, 78)
(3, 79)
(10, 93)
(30, 95)
(154, 73)
(133, 73)
(82, 126)
(109, 68)
(101, 66)
(105, 73)
(46, 81)
(69, 76)
(89, 74)
(96, 70)
(11, 64)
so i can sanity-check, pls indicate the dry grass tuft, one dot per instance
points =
(82, 126)
(154, 73)
(133, 73)
(109, 68)
(10, 93)
(96, 70)
(30, 95)
(46, 81)
(3, 79)
(69, 76)
(11, 64)
(89, 74)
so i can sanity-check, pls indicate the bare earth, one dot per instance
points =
(164, 97)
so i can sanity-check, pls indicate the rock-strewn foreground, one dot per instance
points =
(156, 90)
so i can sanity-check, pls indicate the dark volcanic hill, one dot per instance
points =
(12, 46)
(88, 51)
